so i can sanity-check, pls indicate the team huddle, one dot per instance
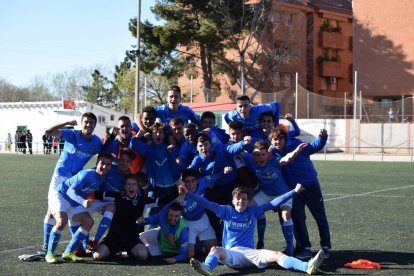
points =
(171, 184)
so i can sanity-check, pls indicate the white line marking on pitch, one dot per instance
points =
(369, 193)
(27, 247)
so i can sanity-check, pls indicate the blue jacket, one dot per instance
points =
(301, 169)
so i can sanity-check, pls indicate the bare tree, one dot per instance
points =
(262, 42)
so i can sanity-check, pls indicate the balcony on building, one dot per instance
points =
(334, 69)
(334, 40)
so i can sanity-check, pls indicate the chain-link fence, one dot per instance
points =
(306, 104)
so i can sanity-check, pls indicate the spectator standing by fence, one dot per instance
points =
(29, 140)
(9, 142)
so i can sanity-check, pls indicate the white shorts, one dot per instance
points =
(241, 257)
(57, 203)
(200, 228)
(150, 239)
(55, 182)
(262, 198)
(98, 206)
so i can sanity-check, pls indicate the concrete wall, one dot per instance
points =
(37, 116)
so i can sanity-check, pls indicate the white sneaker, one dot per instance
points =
(200, 267)
(315, 262)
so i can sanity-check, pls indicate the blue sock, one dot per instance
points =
(212, 260)
(48, 224)
(291, 262)
(261, 228)
(53, 240)
(287, 230)
(74, 243)
(73, 228)
(103, 225)
(84, 243)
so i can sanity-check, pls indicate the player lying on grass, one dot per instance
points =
(238, 235)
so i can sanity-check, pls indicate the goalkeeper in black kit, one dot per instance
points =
(123, 234)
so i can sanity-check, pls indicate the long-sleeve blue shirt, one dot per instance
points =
(270, 177)
(251, 124)
(161, 166)
(239, 228)
(220, 157)
(79, 186)
(301, 169)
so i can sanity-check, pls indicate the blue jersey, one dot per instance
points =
(162, 168)
(251, 124)
(239, 228)
(270, 177)
(79, 186)
(77, 151)
(115, 180)
(301, 169)
(220, 157)
(192, 210)
(184, 112)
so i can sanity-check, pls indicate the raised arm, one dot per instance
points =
(55, 129)
(291, 155)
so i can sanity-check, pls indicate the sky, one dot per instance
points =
(53, 36)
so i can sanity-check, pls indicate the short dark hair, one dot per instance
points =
(191, 126)
(267, 113)
(124, 118)
(208, 115)
(243, 98)
(175, 88)
(105, 154)
(89, 115)
(175, 207)
(128, 152)
(188, 172)
(259, 145)
(149, 109)
(236, 125)
(202, 138)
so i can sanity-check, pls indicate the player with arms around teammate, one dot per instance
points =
(69, 201)
(80, 146)
(301, 170)
(238, 235)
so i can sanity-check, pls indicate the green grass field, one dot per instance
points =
(369, 206)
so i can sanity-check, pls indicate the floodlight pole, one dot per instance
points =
(137, 64)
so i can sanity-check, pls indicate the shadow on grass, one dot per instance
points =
(388, 260)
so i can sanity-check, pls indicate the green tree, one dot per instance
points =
(189, 38)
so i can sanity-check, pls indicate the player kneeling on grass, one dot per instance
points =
(238, 235)
(69, 201)
(123, 234)
(170, 240)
